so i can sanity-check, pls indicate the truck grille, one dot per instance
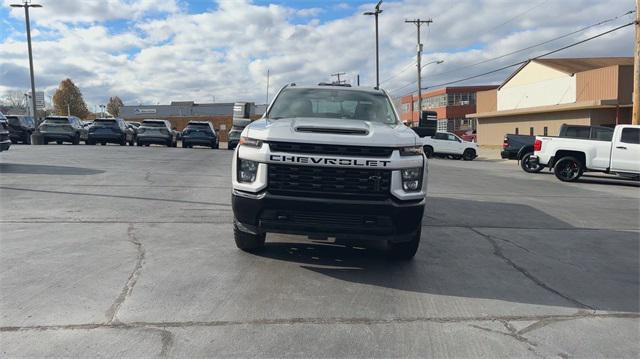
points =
(342, 150)
(329, 181)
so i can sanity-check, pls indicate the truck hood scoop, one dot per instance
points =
(332, 128)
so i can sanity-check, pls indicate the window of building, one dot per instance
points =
(546, 131)
(530, 131)
(517, 131)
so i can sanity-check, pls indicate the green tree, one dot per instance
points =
(114, 105)
(68, 98)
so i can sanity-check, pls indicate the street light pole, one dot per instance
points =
(26, 5)
(375, 13)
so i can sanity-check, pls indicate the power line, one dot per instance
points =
(524, 49)
(413, 63)
(536, 45)
(537, 57)
(515, 17)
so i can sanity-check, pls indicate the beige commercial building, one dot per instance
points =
(543, 94)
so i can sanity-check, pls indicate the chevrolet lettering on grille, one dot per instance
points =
(328, 161)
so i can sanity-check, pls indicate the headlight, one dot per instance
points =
(251, 142)
(247, 170)
(411, 151)
(411, 179)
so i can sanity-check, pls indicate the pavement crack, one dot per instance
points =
(497, 251)
(112, 312)
(321, 321)
(166, 340)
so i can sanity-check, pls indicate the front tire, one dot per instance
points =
(76, 139)
(568, 169)
(527, 166)
(405, 250)
(469, 154)
(248, 242)
(428, 151)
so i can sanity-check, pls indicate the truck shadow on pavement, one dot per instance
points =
(534, 259)
(19, 168)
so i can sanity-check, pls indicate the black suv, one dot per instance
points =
(20, 128)
(110, 130)
(199, 133)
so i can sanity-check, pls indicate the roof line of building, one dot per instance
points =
(582, 105)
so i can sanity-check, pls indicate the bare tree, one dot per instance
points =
(14, 100)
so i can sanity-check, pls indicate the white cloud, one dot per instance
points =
(226, 52)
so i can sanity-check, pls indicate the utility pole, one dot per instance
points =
(635, 118)
(419, 22)
(358, 79)
(375, 13)
(338, 74)
(267, 88)
(26, 5)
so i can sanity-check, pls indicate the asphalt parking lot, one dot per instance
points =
(128, 252)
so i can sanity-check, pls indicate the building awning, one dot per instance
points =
(582, 105)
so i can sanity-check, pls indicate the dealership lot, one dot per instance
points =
(128, 251)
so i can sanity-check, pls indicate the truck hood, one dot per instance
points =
(332, 131)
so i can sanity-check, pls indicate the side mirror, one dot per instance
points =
(428, 123)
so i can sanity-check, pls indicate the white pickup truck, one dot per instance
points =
(571, 157)
(448, 144)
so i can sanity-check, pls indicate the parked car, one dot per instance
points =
(62, 129)
(20, 128)
(5, 142)
(234, 138)
(571, 157)
(449, 145)
(199, 133)
(110, 130)
(157, 132)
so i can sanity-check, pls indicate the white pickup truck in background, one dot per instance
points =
(571, 157)
(448, 144)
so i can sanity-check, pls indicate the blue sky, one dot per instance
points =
(162, 50)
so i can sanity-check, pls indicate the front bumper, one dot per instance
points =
(390, 220)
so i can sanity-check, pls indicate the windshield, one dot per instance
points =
(234, 135)
(333, 103)
(56, 120)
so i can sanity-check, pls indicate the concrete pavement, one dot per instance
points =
(128, 252)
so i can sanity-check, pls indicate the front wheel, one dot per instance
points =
(76, 139)
(528, 166)
(27, 139)
(248, 242)
(469, 154)
(428, 151)
(405, 250)
(568, 169)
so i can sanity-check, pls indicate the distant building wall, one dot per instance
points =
(537, 85)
